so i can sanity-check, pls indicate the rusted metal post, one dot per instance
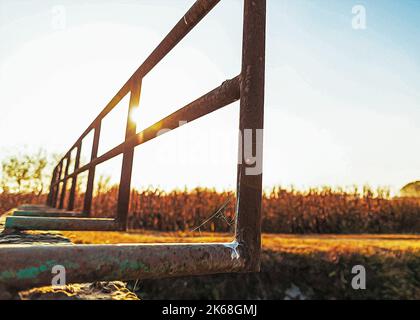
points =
(64, 188)
(249, 189)
(128, 156)
(57, 185)
(74, 179)
(50, 193)
(48, 202)
(55, 196)
(91, 176)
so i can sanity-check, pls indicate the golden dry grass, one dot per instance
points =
(299, 244)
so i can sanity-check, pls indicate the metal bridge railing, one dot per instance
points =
(151, 261)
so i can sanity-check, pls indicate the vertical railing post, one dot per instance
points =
(74, 179)
(51, 189)
(64, 188)
(87, 207)
(128, 156)
(249, 188)
(57, 185)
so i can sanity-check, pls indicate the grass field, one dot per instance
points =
(293, 267)
(304, 244)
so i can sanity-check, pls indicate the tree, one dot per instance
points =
(411, 190)
(25, 173)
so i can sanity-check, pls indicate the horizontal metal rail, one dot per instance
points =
(220, 97)
(60, 223)
(27, 267)
(46, 213)
(193, 16)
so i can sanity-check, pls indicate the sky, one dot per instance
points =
(342, 103)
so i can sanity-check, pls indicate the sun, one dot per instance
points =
(135, 116)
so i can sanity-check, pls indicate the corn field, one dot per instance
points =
(323, 210)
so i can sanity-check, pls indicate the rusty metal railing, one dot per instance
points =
(149, 261)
